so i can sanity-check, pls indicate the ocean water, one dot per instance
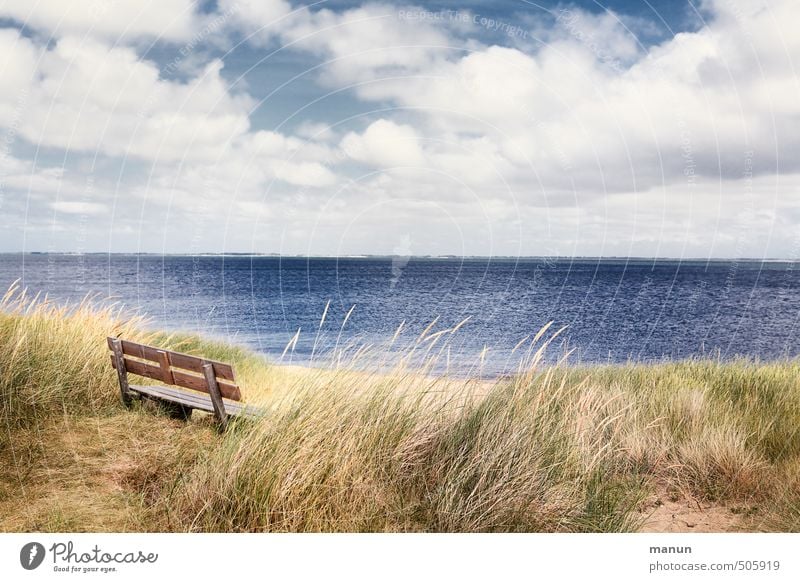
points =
(613, 310)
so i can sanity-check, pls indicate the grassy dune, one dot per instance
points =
(552, 449)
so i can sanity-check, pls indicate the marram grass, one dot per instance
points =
(554, 448)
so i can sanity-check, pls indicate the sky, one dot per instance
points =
(649, 128)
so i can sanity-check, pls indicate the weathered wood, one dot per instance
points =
(216, 397)
(177, 360)
(197, 401)
(200, 384)
(122, 373)
(187, 397)
(177, 394)
(139, 368)
(195, 364)
(179, 378)
(166, 371)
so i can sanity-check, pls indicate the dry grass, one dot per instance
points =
(98, 473)
(552, 449)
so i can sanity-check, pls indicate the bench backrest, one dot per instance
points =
(175, 369)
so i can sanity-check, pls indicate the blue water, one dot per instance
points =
(615, 310)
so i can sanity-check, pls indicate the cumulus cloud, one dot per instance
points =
(82, 94)
(305, 174)
(258, 19)
(366, 43)
(385, 144)
(613, 144)
(117, 20)
(592, 108)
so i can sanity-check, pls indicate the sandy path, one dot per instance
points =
(664, 515)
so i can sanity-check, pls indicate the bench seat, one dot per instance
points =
(197, 400)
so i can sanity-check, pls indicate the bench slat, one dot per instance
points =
(197, 383)
(140, 368)
(197, 401)
(153, 372)
(176, 359)
(175, 395)
(194, 364)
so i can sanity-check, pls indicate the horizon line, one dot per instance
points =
(389, 256)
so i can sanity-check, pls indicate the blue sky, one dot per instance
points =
(623, 128)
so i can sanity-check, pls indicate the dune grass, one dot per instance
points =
(554, 448)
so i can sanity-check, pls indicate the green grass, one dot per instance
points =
(553, 449)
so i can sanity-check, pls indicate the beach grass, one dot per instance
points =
(553, 448)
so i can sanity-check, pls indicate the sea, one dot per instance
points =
(313, 311)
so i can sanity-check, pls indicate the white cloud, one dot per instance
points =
(366, 43)
(83, 95)
(18, 59)
(259, 19)
(90, 208)
(114, 20)
(600, 142)
(573, 115)
(305, 174)
(385, 143)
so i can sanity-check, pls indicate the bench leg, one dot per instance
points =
(216, 397)
(122, 374)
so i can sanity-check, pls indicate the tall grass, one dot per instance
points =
(52, 358)
(393, 459)
(553, 448)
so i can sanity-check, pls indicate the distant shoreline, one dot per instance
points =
(561, 258)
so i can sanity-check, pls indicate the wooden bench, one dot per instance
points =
(212, 385)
